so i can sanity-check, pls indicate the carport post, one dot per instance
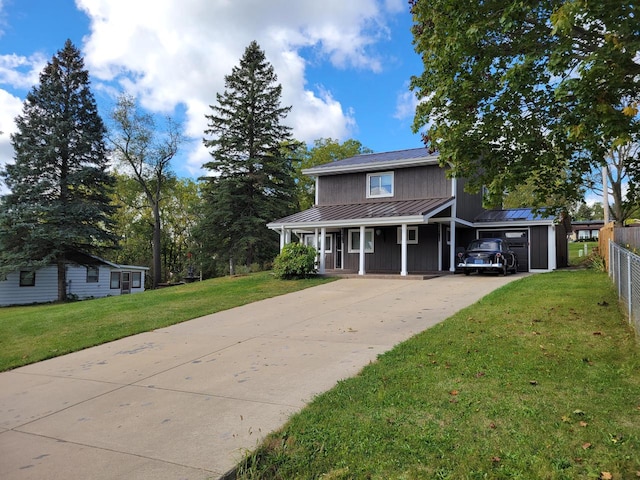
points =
(403, 250)
(361, 256)
(452, 238)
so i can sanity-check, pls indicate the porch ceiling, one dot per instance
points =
(372, 213)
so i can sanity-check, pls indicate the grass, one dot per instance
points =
(33, 333)
(538, 380)
(576, 252)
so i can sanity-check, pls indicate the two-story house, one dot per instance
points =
(397, 212)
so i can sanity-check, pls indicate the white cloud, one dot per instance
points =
(10, 107)
(21, 72)
(169, 53)
(406, 103)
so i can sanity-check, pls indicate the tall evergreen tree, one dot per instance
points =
(59, 185)
(252, 179)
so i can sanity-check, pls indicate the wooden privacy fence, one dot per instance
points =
(606, 234)
(627, 237)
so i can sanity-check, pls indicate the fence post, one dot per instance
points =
(629, 287)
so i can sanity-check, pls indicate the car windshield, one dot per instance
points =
(484, 245)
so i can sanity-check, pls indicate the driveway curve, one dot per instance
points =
(187, 401)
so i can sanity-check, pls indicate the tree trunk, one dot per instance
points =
(157, 261)
(62, 280)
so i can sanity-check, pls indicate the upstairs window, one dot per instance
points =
(380, 185)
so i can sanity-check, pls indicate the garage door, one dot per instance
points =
(518, 240)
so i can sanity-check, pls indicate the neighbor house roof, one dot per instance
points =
(371, 213)
(376, 161)
(83, 258)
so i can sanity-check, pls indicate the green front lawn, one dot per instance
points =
(33, 333)
(539, 380)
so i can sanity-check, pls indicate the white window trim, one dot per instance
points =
(366, 232)
(91, 278)
(309, 241)
(379, 174)
(112, 283)
(409, 241)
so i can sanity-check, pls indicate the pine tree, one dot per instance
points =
(252, 182)
(58, 203)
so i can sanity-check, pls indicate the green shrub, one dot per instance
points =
(295, 261)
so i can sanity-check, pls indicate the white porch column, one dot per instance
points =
(287, 236)
(403, 250)
(323, 234)
(361, 256)
(282, 237)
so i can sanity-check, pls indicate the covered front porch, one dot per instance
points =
(402, 238)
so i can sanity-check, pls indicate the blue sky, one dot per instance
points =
(344, 66)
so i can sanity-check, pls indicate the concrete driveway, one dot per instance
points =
(186, 402)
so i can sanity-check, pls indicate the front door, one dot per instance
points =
(126, 282)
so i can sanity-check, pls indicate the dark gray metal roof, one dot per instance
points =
(377, 160)
(372, 210)
(511, 215)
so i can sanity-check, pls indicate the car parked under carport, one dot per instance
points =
(488, 255)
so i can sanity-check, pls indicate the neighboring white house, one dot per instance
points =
(92, 278)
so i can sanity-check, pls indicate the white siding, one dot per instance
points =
(77, 282)
(46, 285)
(45, 289)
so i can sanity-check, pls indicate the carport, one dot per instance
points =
(540, 242)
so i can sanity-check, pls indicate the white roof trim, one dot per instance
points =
(372, 166)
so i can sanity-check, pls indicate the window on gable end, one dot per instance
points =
(380, 185)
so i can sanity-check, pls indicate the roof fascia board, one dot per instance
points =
(515, 223)
(352, 222)
(366, 167)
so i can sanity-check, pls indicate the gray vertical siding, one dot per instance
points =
(538, 246)
(409, 184)
(422, 257)
(468, 205)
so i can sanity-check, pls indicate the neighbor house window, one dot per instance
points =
(309, 241)
(354, 241)
(92, 274)
(27, 278)
(115, 280)
(136, 279)
(380, 185)
(412, 235)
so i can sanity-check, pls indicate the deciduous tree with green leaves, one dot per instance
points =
(324, 150)
(147, 154)
(534, 91)
(251, 181)
(59, 185)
